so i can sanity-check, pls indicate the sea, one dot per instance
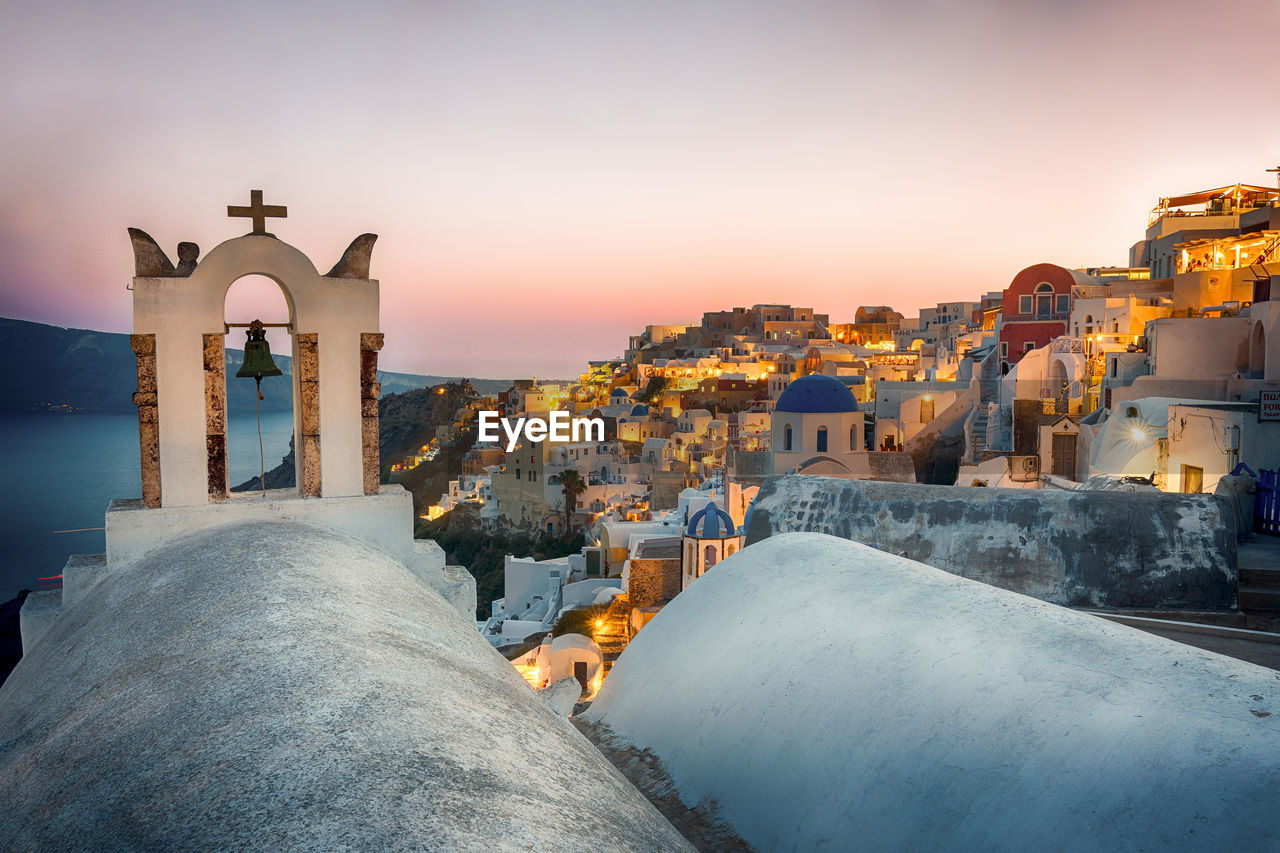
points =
(59, 472)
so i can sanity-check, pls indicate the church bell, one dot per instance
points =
(257, 355)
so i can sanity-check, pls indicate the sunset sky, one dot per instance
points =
(548, 177)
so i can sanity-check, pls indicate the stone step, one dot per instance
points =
(1260, 578)
(1259, 598)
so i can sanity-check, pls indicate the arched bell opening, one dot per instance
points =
(250, 367)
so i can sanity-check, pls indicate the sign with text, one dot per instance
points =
(1269, 406)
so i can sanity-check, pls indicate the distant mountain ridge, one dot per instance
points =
(55, 369)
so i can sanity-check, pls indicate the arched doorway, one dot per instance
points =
(1058, 385)
(248, 298)
(1258, 352)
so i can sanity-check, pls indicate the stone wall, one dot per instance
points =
(1093, 549)
(653, 581)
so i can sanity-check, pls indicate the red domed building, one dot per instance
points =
(1036, 307)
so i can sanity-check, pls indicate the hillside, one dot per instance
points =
(51, 368)
(407, 421)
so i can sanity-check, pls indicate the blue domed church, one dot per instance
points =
(709, 537)
(817, 428)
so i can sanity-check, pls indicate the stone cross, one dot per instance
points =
(258, 211)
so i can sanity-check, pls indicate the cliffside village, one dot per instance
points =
(1160, 375)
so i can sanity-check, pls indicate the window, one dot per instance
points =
(1004, 349)
(1044, 299)
(786, 437)
(1063, 303)
(853, 438)
(710, 557)
(1024, 304)
(1028, 346)
(822, 439)
(1192, 479)
(517, 473)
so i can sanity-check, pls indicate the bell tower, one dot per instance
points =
(179, 340)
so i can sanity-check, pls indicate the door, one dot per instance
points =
(1192, 479)
(580, 673)
(1044, 304)
(1064, 455)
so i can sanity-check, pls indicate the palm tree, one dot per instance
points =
(572, 484)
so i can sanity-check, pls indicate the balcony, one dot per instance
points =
(1038, 317)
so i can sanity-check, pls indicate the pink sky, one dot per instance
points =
(546, 178)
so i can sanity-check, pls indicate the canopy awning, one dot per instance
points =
(1206, 196)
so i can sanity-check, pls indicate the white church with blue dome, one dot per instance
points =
(817, 429)
(709, 537)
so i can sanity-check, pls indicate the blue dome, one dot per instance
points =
(710, 522)
(816, 393)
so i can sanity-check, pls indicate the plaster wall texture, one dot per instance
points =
(582, 593)
(80, 574)
(455, 584)
(38, 615)
(1125, 315)
(960, 717)
(525, 579)
(1204, 437)
(1025, 379)
(1200, 348)
(1145, 387)
(1264, 330)
(1202, 288)
(568, 649)
(179, 311)
(844, 437)
(276, 686)
(383, 522)
(1099, 549)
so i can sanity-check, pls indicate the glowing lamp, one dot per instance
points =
(1137, 433)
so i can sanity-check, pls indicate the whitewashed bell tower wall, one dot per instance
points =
(180, 311)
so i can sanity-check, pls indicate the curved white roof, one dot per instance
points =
(941, 714)
(575, 641)
(275, 686)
